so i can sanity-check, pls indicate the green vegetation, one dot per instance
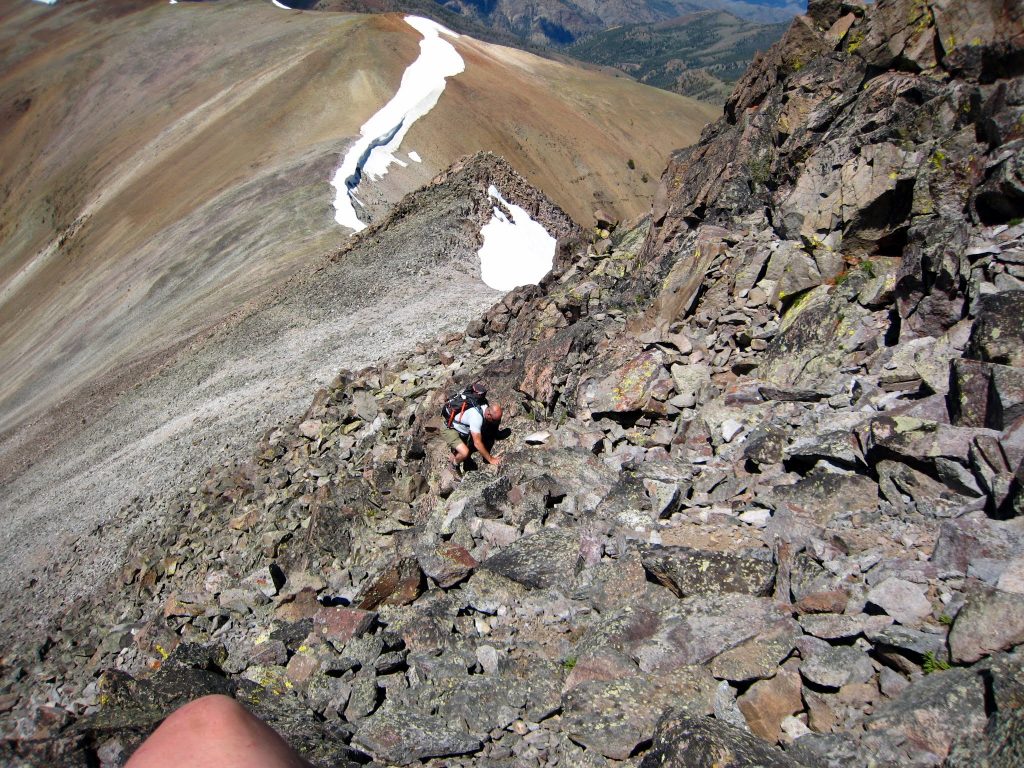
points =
(630, 164)
(759, 168)
(700, 55)
(932, 663)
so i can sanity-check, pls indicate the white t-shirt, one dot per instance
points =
(472, 420)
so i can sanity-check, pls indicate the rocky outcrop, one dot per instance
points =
(760, 495)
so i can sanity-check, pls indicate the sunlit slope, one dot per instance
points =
(161, 167)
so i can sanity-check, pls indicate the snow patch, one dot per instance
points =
(517, 250)
(282, 5)
(415, 157)
(381, 135)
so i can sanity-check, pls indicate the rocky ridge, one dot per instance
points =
(760, 502)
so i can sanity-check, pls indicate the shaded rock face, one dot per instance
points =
(761, 482)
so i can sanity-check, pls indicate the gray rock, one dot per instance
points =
(825, 495)
(691, 383)
(760, 656)
(685, 741)
(544, 559)
(990, 621)
(934, 711)
(976, 537)
(1002, 743)
(726, 709)
(910, 642)
(613, 717)
(689, 571)
(837, 666)
(901, 599)
(481, 703)
(996, 333)
(832, 626)
(402, 736)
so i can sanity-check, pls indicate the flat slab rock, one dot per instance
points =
(693, 631)
(685, 741)
(760, 656)
(689, 571)
(991, 620)
(935, 711)
(613, 717)
(402, 736)
(541, 560)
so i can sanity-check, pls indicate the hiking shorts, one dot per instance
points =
(454, 439)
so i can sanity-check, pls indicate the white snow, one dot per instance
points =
(516, 251)
(282, 5)
(415, 157)
(48, 2)
(381, 135)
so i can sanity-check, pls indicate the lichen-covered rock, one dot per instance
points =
(545, 559)
(689, 571)
(613, 717)
(402, 736)
(686, 741)
(760, 656)
(934, 712)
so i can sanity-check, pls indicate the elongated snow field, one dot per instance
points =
(381, 135)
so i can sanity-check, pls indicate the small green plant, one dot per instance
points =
(932, 663)
(759, 168)
(644, 178)
(946, 619)
(569, 663)
(630, 164)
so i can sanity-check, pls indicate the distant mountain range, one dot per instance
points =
(694, 47)
(699, 55)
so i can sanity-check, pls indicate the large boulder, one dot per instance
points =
(683, 740)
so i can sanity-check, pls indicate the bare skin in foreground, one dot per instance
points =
(215, 732)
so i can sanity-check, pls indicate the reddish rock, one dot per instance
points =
(768, 702)
(301, 605)
(182, 606)
(821, 716)
(833, 601)
(301, 667)
(156, 640)
(339, 625)
(602, 664)
(399, 584)
(447, 564)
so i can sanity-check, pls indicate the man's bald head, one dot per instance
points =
(493, 413)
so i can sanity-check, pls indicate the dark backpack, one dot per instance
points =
(473, 396)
